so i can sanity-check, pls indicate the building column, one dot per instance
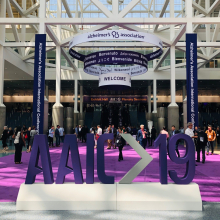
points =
(2, 69)
(57, 110)
(76, 113)
(184, 92)
(81, 99)
(148, 113)
(154, 96)
(173, 108)
(149, 99)
(154, 113)
(81, 114)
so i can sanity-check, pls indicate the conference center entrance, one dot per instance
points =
(109, 109)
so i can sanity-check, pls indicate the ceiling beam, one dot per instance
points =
(161, 13)
(180, 33)
(162, 58)
(14, 28)
(213, 6)
(66, 6)
(102, 7)
(31, 9)
(128, 8)
(217, 52)
(69, 60)
(52, 35)
(177, 65)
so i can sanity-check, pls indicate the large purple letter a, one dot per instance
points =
(40, 148)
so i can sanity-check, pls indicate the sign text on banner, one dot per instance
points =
(191, 76)
(39, 82)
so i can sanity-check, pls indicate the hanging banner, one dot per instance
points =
(113, 79)
(39, 82)
(191, 79)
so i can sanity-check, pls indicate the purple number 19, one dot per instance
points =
(188, 158)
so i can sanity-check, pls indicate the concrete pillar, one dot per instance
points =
(149, 99)
(57, 110)
(81, 99)
(47, 92)
(2, 69)
(81, 114)
(46, 107)
(189, 14)
(76, 112)
(184, 92)
(173, 108)
(42, 14)
(76, 97)
(69, 120)
(154, 96)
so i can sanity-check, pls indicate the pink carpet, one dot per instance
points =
(207, 175)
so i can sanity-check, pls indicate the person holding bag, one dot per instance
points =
(19, 143)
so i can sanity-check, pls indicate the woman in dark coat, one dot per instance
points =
(4, 138)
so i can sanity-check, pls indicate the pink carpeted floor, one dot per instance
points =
(207, 175)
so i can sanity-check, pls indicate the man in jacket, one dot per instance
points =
(57, 135)
(172, 133)
(142, 136)
(120, 142)
(201, 144)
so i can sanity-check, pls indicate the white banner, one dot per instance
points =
(115, 79)
(131, 70)
(116, 35)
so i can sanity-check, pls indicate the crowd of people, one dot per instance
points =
(21, 137)
(203, 137)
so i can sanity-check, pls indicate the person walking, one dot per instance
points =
(57, 136)
(109, 140)
(189, 132)
(172, 133)
(4, 138)
(28, 135)
(211, 138)
(50, 136)
(77, 132)
(148, 137)
(32, 134)
(10, 134)
(114, 131)
(83, 133)
(153, 134)
(61, 130)
(98, 134)
(142, 136)
(120, 142)
(19, 142)
(218, 135)
(80, 133)
(164, 131)
(201, 144)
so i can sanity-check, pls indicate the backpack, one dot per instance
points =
(202, 138)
